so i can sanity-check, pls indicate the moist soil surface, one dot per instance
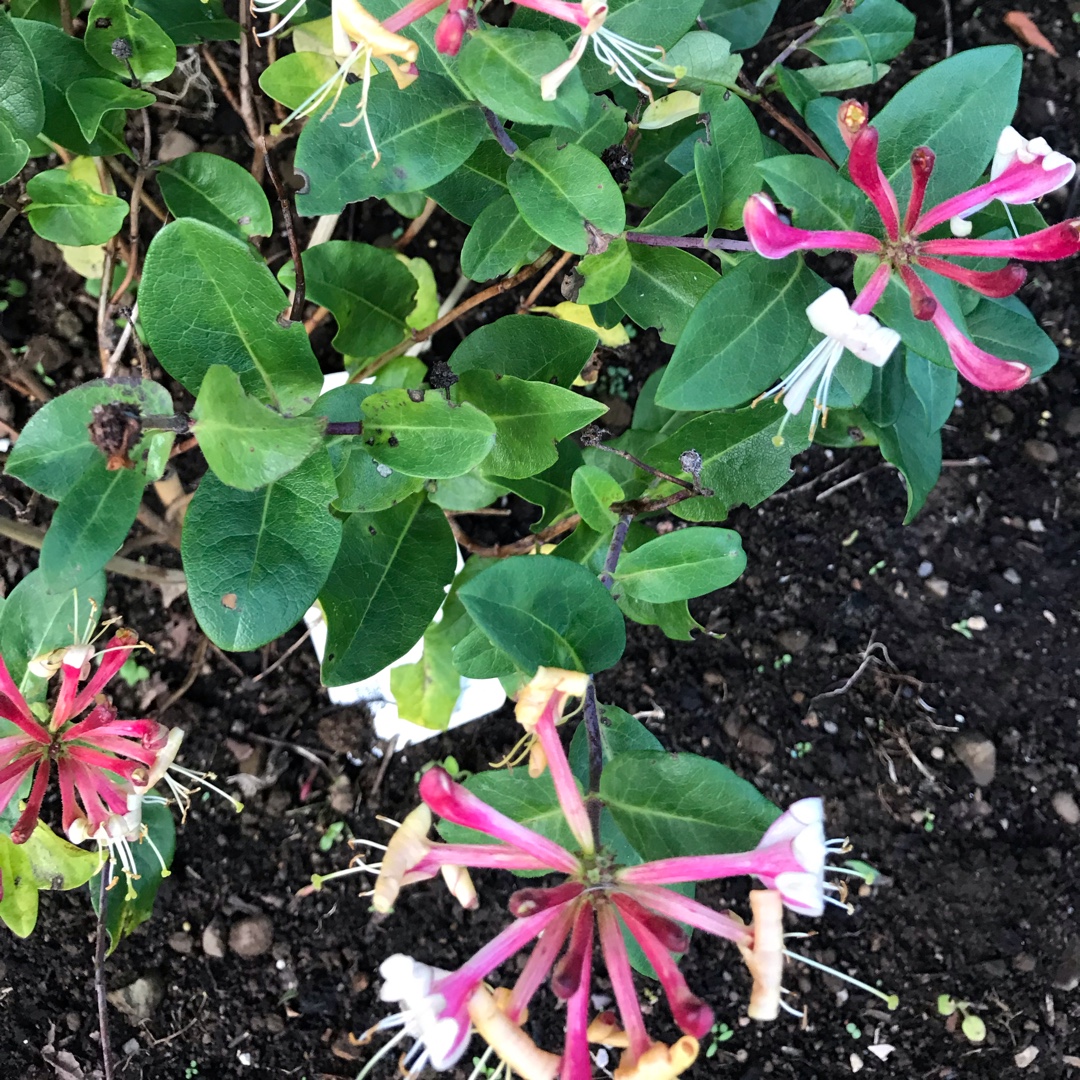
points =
(922, 679)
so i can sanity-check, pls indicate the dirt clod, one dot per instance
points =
(979, 755)
(252, 936)
(1065, 805)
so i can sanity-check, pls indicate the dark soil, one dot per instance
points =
(978, 893)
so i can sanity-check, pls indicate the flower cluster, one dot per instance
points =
(105, 766)
(595, 901)
(1022, 171)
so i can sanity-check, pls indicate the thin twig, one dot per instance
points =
(66, 21)
(500, 133)
(794, 46)
(947, 5)
(283, 657)
(248, 110)
(99, 971)
(417, 223)
(823, 495)
(151, 204)
(618, 539)
(288, 211)
(712, 244)
(162, 576)
(189, 679)
(690, 485)
(300, 751)
(804, 137)
(452, 316)
(543, 283)
(518, 547)
(104, 338)
(121, 345)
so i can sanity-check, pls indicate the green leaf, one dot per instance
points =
(566, 194)
(255, 561)
(499, 242)
(709, 171)
(385, 586)
(673, 618)
(742, 22)
(741, 462)
(734, 133)
(69, 211)
(14, 153)
(915, 450)
(245, 443)
(475, 657)
(594, 491)
(664, 288)
(18, 890)
(369, 291)
(620, 733)
(57, 864)
(475, 185)
(746, 331)
(292, 79)
(846, 76)
(206, 298)
(34, 621)
(935, 387)
(216, 190)
(468, 492)
(423, 134)
(362, 483)
(152, 54)
(90, 523)
(427, 691)
(603, 126)
(605, 274)
(681, 804)
(816, 194)
(682, 564)
(546, 611)
(131, 901)
(22, 105)
(681, 210)
(958, 108)
(430, 437)
(90, 99)
(551, 488)
(527, 347)
(530, 419)
(189, 22)
(62, 61)
(502, 67)
(707, 59)
(54, 449)
(875, 30)
(1012, 335)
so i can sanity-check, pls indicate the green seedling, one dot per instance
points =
(972, 1026)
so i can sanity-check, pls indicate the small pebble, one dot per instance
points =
(1072, 422)
(856, 1063)
(213, 944)
(831, 728)
(252, 936)
(181, 943)
(979, 755)
(132, 1046)
(1036, 525)
(1067, 973)
(938, 587)
(1043, 452)
(1012, 577)
(1026, 1056)
(793, 641)
(274, 1024)
(926, 568)
(1065, 805)
(937, 753)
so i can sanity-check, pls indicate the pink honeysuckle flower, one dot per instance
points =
(99, 759)
(1022, 172)
(619, 54)
(596, 899)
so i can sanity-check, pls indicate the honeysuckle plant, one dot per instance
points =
(606, 894)
(336, 471)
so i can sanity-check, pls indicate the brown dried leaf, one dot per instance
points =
(1023, 26)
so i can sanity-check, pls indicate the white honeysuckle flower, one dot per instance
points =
(440, 1040)
(1013, 147)
(861, 334)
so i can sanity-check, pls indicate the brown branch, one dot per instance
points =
(452, 316)
(288, 211)
(148, 201)
(417, 223)
(804, 137)
(543, 283)
(518, 547)
(189, 679)
(66, 21)
(248, 110)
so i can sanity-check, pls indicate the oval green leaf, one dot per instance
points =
(681, 565)
(216, 190)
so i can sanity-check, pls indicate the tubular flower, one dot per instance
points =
(846, 326)
(1022, 172)
(620, 55)
(596, 901)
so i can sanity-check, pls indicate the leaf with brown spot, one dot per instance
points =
(229, 601)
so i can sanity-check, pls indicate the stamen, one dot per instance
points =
(382, 1053)
(263, 7)
(800, 1013)
(145, 835)
(890, 999)
(480, 1068)
(203, 780)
